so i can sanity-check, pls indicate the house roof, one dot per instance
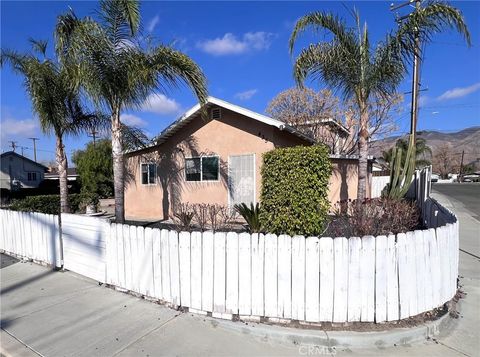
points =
(195, 112)
(71, 171)
(8, 153)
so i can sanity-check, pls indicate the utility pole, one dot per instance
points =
(460, 179)
(34, 148)
(416, 69)
(13, 144)
(93, 135)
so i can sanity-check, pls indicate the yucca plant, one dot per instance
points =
(251, 215)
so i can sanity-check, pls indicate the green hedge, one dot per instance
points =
(295, 190)
(49, 204)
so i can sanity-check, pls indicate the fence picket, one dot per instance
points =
(403, 276)
(327, 268)
(157, 263)
(367, 278)
(244, 274)
(258, 255)
(231, 303)
(354, 300)
(119, 241)
(381, 256)
(340, 246)
(271, 283)
(298, 278)
(429, 257)
(219, 273)
(165, 265)
(284, 277)
(312, 279)
(196, 270)
(148, 282)
(174, 268)
(207, 272)
(412, 273)
(392, 279)
(184, 252)
(420, 269)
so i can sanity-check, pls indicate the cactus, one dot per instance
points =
(401, 177)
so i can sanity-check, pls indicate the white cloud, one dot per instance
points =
(459, 92)
(12, 129)
(153, 23)
(229, 44)
(246, 94)
(160, 104)
(133, 120)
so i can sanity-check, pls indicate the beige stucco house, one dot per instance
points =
(214, 155)
(18, 172)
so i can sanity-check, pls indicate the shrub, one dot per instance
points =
(251, 216)
(183, 216)
(380, 216)
(49, 204)
(200, 211)
(295, 190)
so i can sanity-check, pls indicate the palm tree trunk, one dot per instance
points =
(363, 154)
(118, 167)
(62, 174)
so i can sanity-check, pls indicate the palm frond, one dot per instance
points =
(39, 46)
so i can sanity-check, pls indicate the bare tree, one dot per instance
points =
(444, 161)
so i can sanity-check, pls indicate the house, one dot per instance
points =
(52, 174)
(213, 154)
(18, 172)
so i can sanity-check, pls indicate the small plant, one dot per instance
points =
(200, 211)
(214, 217)
(375, 217)
(183, 216)
(228, 217)
(251, 215)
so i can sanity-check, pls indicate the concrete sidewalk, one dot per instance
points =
(63, 314)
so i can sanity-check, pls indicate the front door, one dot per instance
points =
(241, 179)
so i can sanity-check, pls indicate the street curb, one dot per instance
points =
(341, 339)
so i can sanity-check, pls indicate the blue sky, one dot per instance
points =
(242, 48)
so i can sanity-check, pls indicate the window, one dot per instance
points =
(32, 176)
(202, 168)
(148, 174)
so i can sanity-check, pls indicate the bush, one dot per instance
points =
(380, 216)
(251, 215)
(295, 190)
(49, 204)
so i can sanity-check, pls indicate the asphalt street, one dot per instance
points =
(467, 193)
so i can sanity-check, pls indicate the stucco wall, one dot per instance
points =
(233, 134)
(14, 167)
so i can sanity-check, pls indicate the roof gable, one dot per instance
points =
(13, 153)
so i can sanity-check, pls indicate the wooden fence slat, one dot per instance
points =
(436, 271)
(381, 256)
(312, 279)
(196, 271)
(149, 283)
(420, 271)
(219, 272)
(392, 279)
(284, 308)
(271, 283)
(354, 300)
(298, 278)
(367, 278)
(184, 252)
(326, 278)
(110, 259)
(131, 232)
(258, 255)
(157, 263)
(244, 274)
(429, 259)
(174, 268)
(119, 241)
(207, 272)
(144, 261)
(231, 303)
(403, 276)
(340, 246)
(165, 265)
(412, 275)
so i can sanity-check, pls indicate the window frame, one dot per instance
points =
(201, 168)
(148, 173)
(30, 175)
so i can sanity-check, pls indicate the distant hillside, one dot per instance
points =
(467, 139)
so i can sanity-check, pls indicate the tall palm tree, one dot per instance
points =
(360, 71)
(421, 150)
(56, 102)
(118, 73)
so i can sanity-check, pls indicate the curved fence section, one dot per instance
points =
(373, 279)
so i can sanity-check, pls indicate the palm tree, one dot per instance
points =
(56, 102)
(421, 149)
(118, 73)
(360, 71)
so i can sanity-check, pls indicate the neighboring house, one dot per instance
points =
(52, 174)
(18, 172)
(214, 155)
